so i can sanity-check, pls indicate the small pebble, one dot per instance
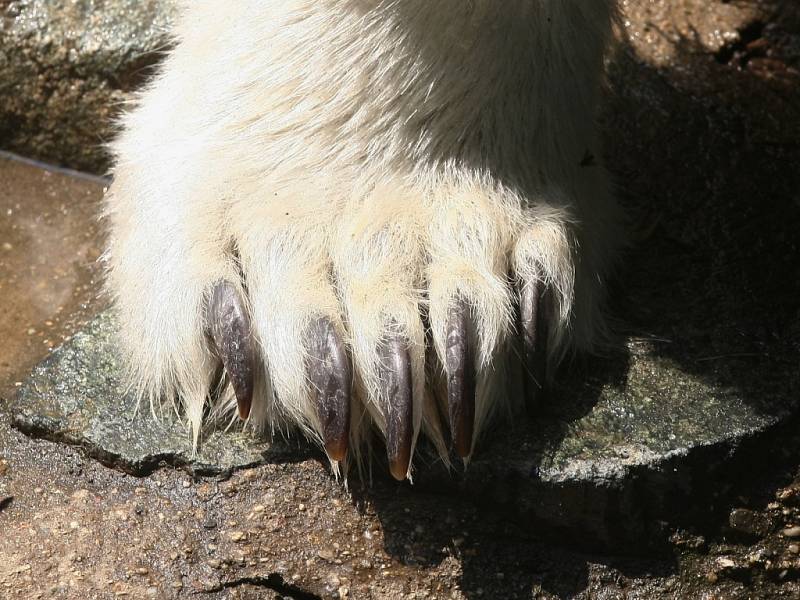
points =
(749, 522)
(237, 536)
(794, 548)
(791, 532)
(725, 563)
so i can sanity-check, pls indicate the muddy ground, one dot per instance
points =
(702, 134)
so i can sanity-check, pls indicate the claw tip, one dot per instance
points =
(244, 409)
(336, 449)
(463, 445)
(398, 468)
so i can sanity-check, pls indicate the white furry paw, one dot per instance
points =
(394, 311)
(351, 211)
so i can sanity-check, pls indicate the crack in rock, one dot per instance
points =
(273, 581)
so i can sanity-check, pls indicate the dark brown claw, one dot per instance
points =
(395, 377)
(330, 374)
(460, 367)
(229, 330)
(534, 307)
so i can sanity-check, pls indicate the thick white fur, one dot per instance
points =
(367, 160)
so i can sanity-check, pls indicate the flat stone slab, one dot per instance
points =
(75, 396)
(605, 456)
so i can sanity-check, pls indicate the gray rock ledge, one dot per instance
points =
(602, 463)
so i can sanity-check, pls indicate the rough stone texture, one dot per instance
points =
(66, 67)
(75, 396)
(598, 466)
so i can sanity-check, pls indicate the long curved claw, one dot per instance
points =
(534, 306)
(460, 367)
(229, 329)
(330, 374)
(396, 380)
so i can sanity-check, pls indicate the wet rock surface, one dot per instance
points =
(591, 476)
(50, 240)
(701, 133)
(77, 396)
(66, 68)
